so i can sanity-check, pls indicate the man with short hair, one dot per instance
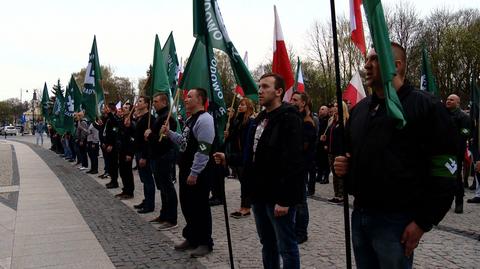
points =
(402, 178)
(162, 154)
(462, 126)
(195, 173)
(275, 173)
(323, 166)
(142, 155)
(126, 154)
(81, 135)
(111, 135)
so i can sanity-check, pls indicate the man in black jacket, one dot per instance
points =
(162, 155)
(402, 179)
(275, 170)
(462, 126)
(142, 154)
(125, 155)
(111, 134)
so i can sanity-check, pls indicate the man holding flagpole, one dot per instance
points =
(402, 178)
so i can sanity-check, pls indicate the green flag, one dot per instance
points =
(208, 19)
(381, 43)
(45, 101)
(159, 72)
(201, 72)
(171, 62)
(58, 109)
(69, 108)
(427, 81)
(77, 95)
(92, 93)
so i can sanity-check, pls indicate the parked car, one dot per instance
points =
(9, 130)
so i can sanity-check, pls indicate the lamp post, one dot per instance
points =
(34, 99)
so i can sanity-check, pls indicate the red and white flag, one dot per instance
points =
(238, 88)
(354, 91)
(356, 25)
(299, 85)
(180, 72)
(281, 62)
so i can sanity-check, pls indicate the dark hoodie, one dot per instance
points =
(275, 169)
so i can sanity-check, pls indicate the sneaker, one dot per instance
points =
(111, 185)
(239, 215)
(83, 168)
(126, 197)
(157, 219)
(200, 251)
(474, 200)
(145, 210)
(183, 246)
(167, 226)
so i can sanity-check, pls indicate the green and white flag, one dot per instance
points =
(172, 66)
(381, 43)
(58, 109)
(77, 95)
(427, 81)
(45, 101)
(208, 22)
(69, 109)
(201, 72)
(159, 82)
(92, 93)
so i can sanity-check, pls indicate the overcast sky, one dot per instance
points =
(41, 41)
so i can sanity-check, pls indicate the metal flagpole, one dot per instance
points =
(346, 210)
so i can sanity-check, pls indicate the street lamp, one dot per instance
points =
(34, 99)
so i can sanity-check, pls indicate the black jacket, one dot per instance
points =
(462, 124)
(402, 170)
(275, 170)
(156, 148)
(140, 146)
(111, 131)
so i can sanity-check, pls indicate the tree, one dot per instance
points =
(115, 88)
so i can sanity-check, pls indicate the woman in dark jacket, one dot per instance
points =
(235, 139)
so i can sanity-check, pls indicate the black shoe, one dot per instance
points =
(92, 172)
(324, 182)
(145, 210)
(139, 206)
(302, 239)
(473, 187)
(459, 208)
(135, 168)
(111, 185)
(214, 202)
(474, 200)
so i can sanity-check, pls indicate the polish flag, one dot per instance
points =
(354, 91)
(299, 85)
(281, 62)
(356, 26)
(238, 89)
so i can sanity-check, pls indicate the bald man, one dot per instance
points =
(462, 126)
(402, 179)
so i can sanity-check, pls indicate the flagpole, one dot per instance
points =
(175, 100)
(229, 113)
(346, 209)
(219, 169)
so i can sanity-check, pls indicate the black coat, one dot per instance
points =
(275, 170)
(402, 170)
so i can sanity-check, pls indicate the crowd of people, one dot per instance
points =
(403, 179)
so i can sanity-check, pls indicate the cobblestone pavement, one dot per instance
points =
(132, 242)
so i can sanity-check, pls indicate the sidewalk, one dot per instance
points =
(46, 229)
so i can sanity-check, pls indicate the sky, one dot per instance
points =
(42, 41)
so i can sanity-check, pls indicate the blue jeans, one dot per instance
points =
(277, 235)
(146, 178)
(162, 171)
(376, 239)
(302, 217)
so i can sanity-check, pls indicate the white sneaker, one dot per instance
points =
(83, 168)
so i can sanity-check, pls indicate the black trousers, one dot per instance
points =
(93, 151)
(459, 189)
(126, 173)
(195, 208)
(113, 165)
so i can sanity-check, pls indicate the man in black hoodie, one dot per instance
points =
(402, 179)
(275, 169)
(162, 155)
